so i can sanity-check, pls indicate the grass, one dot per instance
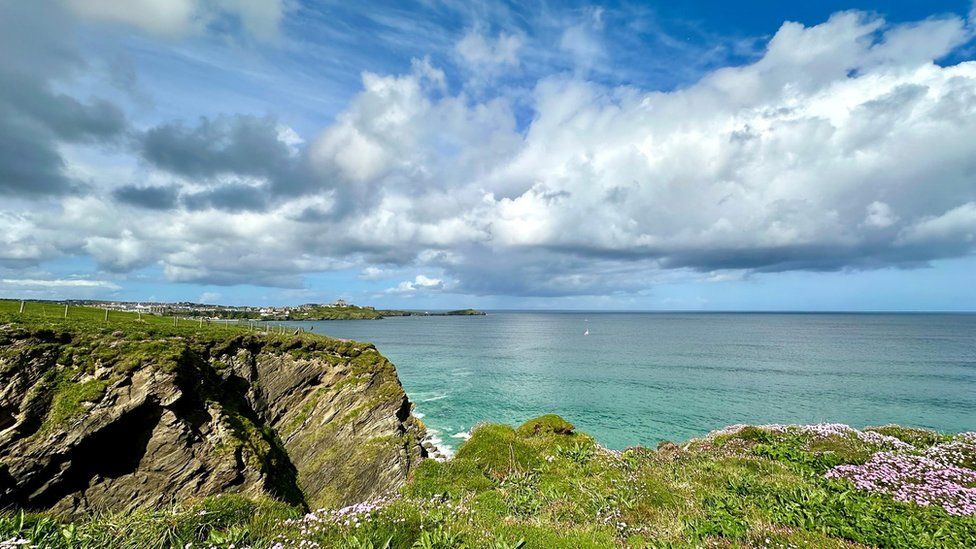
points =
(73, 360)
(70, 398)
(542, 487)
(219, 521)
(541, 484)
(41, 315)
(86, 338)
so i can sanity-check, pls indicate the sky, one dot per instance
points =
(707, 155)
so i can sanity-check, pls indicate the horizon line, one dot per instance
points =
(554, 310)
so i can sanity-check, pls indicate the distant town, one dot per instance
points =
(337, 310)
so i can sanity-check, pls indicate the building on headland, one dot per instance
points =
(185, 308)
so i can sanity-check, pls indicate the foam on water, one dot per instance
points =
(433, 437)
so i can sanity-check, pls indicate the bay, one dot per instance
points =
(639, 378)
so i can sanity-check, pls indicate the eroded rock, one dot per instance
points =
(98, 423)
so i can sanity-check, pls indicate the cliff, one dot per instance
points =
(545, 485)
(224, 438)
(117, 414)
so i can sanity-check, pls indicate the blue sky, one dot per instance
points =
(641, 155)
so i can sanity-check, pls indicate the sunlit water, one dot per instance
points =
(640, 378)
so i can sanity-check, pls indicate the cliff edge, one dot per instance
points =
(118, 414)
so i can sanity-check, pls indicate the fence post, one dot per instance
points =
(21, 305)
(65, 311)
(106, 315)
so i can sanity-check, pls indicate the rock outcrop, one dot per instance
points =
(97, 421)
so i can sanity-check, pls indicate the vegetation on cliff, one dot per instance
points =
(542, 484)
(365, 313)
(107, 413)
(545, 485)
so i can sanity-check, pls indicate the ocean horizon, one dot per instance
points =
(638, 378)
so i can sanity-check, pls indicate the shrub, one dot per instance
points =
(549, 424)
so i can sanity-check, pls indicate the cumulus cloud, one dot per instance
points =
(231, 162)
(34, 117)
(794, 162)
(152, 197)
(373, 273)
(954, 229)
(420, 283)
(238, 144)
(879, 215)
(845, 145)
(43, 286)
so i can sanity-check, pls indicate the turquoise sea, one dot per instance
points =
(639, 378)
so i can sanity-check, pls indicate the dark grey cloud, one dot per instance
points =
(157, 197)
(33, 122)
(33, 118)
(228, 144)
(232, 146)
(543, 273)
(232, 197)
(30, 165)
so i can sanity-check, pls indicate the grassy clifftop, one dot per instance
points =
(106, 414)
(361, 313)
(542, 484)
(545, 485)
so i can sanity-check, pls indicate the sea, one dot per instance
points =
(639, 378)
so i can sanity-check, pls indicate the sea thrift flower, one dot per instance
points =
(822, 430)
(919, 479)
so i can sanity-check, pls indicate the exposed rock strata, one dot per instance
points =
(93, 422)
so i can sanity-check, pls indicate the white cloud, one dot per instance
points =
(260, 18)
(845, 145)
(374, 273)
(879, 215)
(209, 298)
(481, 53)
(725, 276)
(956, 226)
(418, 284)
(57, 283)
(582, 41)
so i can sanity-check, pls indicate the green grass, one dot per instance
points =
(915, 437)
(545, 485)
(218, 521)
(40, 315)
(126, 340)
(541, 484)
(73, 360)
(69, 399)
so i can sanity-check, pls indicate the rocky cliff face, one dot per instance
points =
(93, 421)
